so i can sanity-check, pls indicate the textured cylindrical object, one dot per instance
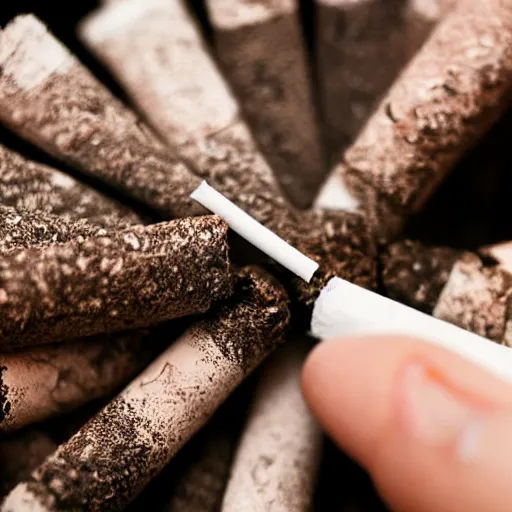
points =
(29, 185)
(136, 277)
(361, 46)
(452, 91)
(50, 99)
(276, 464)
(196, 478)
(25, 229)
(415, 274)
(39, 383)
(261, 51)
(193, 109)
(477, 296)
(106, 464)
(20, 454)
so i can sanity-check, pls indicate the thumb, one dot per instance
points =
(434, 431)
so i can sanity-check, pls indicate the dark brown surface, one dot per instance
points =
(265, 62)
(455, 88)
(28, 185)
(361, 47)
(106, 464)
(415, 274)
(133, 278)
(25, 229)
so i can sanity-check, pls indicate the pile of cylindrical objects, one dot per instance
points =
(129, 315)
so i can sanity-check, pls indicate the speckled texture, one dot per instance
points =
(196, 478)
(415, 274)
(29, 185)
(68, 113)
(202, 120)
(277, 460)
(20, 454)
(454, 89)
(116, 454)
(26, 229)
(39, 383)
(361, 46)
(477, 297)
(133, 278)
(264, 60)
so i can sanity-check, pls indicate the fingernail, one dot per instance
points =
(435, 414)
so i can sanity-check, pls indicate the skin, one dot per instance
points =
(437, 434)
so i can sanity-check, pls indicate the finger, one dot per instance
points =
(434, 430)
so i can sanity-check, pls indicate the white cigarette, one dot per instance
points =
(250, 229)
(343, 308)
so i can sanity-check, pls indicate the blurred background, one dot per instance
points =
(471, 209)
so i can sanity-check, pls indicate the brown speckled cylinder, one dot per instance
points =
(361, 46)
(133, 278)
(260, 49)
(29, 185)
(478, 294)
(38, 383)
(20, 454)
(415, 274)
(196, 478)
(32, 229)
(453, 90)
(276, 464)
(107, 463)
(190, 104)
(50, 99)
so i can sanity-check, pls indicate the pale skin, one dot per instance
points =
(433, 431)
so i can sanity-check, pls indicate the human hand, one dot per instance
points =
(434, 431)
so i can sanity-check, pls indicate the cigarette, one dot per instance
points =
(361, 46)
(49, 98)
(261, 51)
(278, 458)
(415, 274)
(108, 462)
(196, 478)
(126, 279)
(20, 454)
(39, 383)
(37, 229)
(192, 107)
(29, 185)
(449, 95)
(344, 308)
(477, 294)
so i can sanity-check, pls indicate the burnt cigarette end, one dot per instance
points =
(258, 310)
(477, 297)
(415, 274)
(343, 244)
(127, 279)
